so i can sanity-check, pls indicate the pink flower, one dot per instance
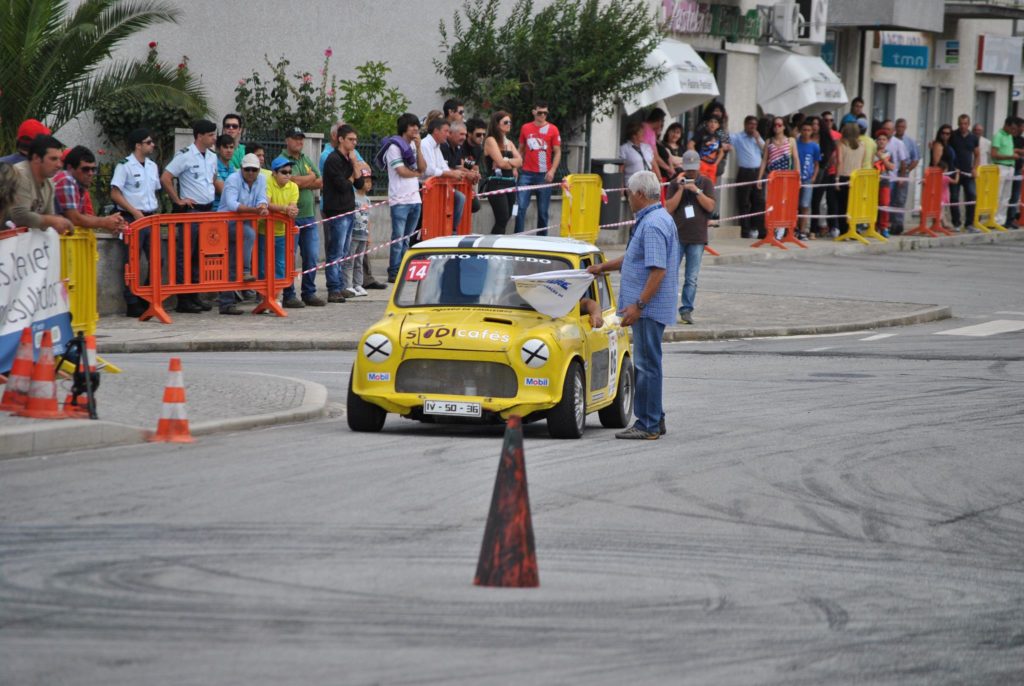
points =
(328, 53)
(101, 151)
(241, 82)
(181, 66)
(330, 93)
(152, 45)
(307, 78)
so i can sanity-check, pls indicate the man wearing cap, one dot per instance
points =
(283, 197)
(244, 191)
(29, 129)
(307, 178)
(33, 200)
(133, 189)
(195, 167)
(690, 199)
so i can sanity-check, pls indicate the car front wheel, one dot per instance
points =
(618, 414)
(569, 416)
(361, 415)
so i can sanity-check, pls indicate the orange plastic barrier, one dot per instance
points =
(214, 258)
(782, 203)
(931, 205)
(439, 207)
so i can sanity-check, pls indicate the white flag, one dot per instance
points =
(554, 293)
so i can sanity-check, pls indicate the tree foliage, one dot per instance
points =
(118, 119)
(55, 62)
(369, 104)
(582, 56)
(284, 101)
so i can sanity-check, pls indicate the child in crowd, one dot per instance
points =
(883, 163)
(352, 269)
(808, 157)
(709, 147)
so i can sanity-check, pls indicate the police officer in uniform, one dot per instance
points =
(134, 191)
(195, 168)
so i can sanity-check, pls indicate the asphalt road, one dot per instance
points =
(838, 509)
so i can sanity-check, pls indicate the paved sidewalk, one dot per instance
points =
(222, 401)
(233, 400)
(339, 326)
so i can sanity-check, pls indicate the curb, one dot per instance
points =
(899, 244)
(928, 314)
(82, 434)
(223, 345)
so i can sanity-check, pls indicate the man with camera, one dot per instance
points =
(690, 199)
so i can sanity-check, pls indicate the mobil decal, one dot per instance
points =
(536, 382)
(378, 376)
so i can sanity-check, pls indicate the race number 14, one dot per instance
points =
(417, 270)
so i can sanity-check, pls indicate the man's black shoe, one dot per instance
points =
(203, 305)
(661, 427)
(231, 309)
(376, 286)
(391, 279)
(188, 307)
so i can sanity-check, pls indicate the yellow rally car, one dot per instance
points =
(458, 343)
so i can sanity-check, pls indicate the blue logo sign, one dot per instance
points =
(905, 56)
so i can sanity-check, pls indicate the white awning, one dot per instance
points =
(788, 82)
(688, 82)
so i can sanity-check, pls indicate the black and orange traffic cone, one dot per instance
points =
(20, 378)
(507, 556)
(42, 391)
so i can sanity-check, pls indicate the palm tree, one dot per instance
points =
(55, 63)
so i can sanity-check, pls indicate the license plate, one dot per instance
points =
(452, 408)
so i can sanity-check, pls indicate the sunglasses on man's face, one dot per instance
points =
(251, 169)
(87, 170)
(232, 126)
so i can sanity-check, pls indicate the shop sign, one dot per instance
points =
(999, 54)
(947, 54)
(904, 49)
(718, 21)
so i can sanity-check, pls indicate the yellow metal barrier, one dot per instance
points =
(581, 207)
(862, 208)
(78, 258)
(988, 199)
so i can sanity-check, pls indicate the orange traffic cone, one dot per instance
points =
(16, 390)
(173, 424)
(42, 391)
(86, 366)
(507, 556)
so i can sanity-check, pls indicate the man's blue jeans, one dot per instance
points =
(337, 236)
(460, 202)
(309, 247)
(248, 238)
(647, 405)
(523, 200)
(692, 254)
(403, 222)
(279, 252)
(970, 195)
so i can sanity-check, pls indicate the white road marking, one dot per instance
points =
(818, 350)
(996, 326)
(878, 337)
(1016, 314)
(808, 335)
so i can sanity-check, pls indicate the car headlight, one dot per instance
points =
(377, 347)
(535, 353)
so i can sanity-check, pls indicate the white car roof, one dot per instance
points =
(513, 242)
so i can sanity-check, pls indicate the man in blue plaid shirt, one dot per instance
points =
(647, 295)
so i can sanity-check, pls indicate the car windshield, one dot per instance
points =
(469, 278)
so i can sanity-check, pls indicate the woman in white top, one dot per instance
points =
(638, 155)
